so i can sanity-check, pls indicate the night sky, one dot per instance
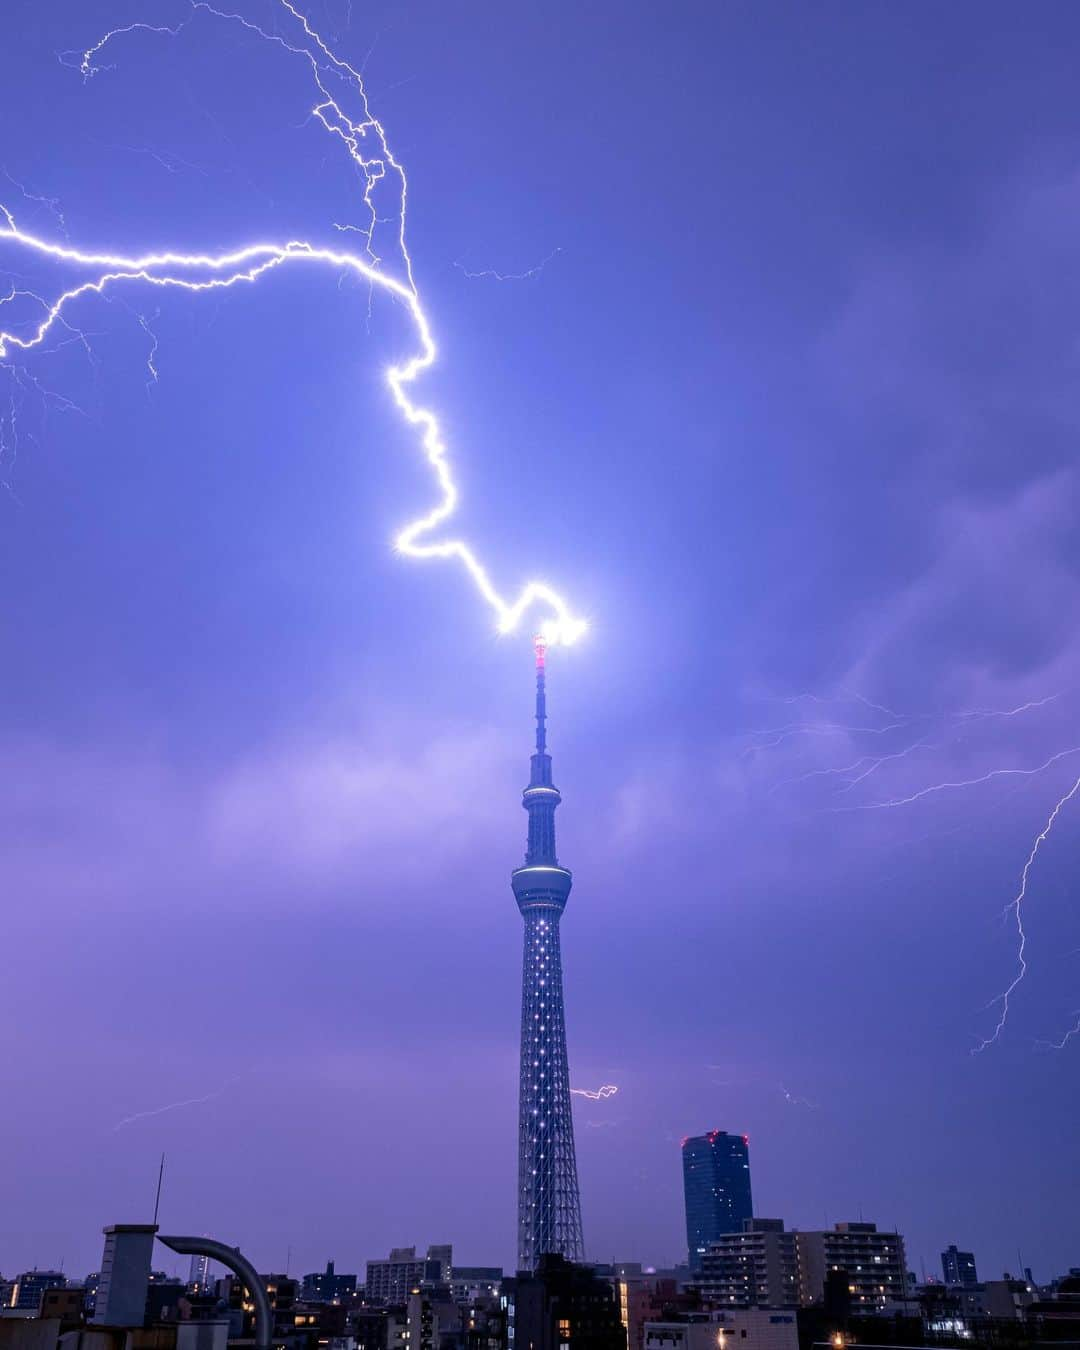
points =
(789, 411)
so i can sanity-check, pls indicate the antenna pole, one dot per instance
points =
(157, 1200)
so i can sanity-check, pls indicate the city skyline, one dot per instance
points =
(778, 386)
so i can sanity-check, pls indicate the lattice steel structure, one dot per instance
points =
(549, 1207)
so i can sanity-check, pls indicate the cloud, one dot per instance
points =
(322, 809)
(124, 825)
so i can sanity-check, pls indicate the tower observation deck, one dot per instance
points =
(549, 1207)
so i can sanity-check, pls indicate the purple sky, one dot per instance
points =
(791, 415)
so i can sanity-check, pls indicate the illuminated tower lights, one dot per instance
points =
(549, 1207)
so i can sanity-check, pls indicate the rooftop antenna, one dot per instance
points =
(157, 1199)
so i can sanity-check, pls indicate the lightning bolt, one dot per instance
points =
(952, 786)
(1015, 906)
(601, 1094)
(365, 142)
(953, 726)
(174, 1106)
(1074, 1030)
(509, 276)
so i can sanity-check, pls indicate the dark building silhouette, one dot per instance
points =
(327, 1286)
(549, 1207)
(562, 1306)
(716, 1186)
(958, 1267)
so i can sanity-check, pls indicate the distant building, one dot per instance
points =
(716, 1187)
(90, 1292)
(27, 1289)
(390, 1281)
(65, 1305)
(369, 1327)
(649, 1296)
(327, 1286)
(282, 1291)
(872, 1265)
(730, 1329)
(431, 1317)
(958, 1267)
(562, 1306)
(470, 1283)
(199, 1273)
(1007, 1299)
(758, 1267)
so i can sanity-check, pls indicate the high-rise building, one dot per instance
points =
(873, 1264)
(549, 1207)
(958, 1267)
(390, 1281)
(199, 1273)
(716, 1186)
(758, 1267)
(125, 1275)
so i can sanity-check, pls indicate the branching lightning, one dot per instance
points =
(509, 276)
(928, 732)
(209, 271)
(601, 1094)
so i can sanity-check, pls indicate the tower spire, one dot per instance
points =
(540, 646)
(549, 1208)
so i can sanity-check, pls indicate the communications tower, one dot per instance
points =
(549, 1207)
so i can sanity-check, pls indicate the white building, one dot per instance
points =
(390, 1281)
(758, 1267)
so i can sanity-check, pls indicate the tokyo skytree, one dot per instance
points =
(549, 1208)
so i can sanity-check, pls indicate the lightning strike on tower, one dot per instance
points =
(549, 1206)
(367, 147)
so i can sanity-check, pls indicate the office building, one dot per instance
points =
(716, 1189)
(758, 1267)
(958, 1268)
(390, 1281)
(872, 1263)
(549, 1206)
(27, 1288)
(125, 1275)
